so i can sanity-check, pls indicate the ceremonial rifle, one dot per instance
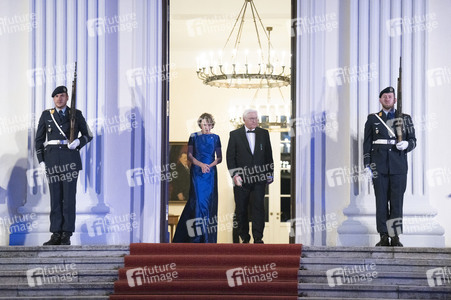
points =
(72, 106)
(400, 119)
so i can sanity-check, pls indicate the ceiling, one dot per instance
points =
(199, 26)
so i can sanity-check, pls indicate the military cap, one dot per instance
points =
(387, 90)
(59, 90)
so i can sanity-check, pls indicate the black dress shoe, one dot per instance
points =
(245, 240)
(55, 239)
(395, 242)
(384, 242)
(258, 242)
(65, 238)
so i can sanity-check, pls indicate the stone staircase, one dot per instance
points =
(374, 273)
(59, 272)
(89, 272)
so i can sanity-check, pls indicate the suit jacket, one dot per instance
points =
(253, 168)
(60, 155)
(387, 159)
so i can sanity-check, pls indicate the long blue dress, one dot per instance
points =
(199, 220)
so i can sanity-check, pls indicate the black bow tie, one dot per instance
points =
(251, 131)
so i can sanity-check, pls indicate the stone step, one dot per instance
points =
(82, 272)
(56, 289)
(380, 278)
(20, 277)
(64, 251)
(79, 263)
(338, 298)
(380, 265)
(376, 252)
(360, 291)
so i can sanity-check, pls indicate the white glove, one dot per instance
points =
(402, 145)
(237, 180)
(368, 173)
(74, 144)
(42, 165)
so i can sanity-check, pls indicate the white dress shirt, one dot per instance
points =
(250, 138)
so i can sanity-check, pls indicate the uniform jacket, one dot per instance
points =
(255, 167)
(60, 155)
(387, 159)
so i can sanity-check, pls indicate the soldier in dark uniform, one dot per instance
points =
(385, 160)
(62, 162)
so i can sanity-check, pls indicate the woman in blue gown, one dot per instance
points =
(199, 220)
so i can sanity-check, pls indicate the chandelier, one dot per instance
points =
(268, 71)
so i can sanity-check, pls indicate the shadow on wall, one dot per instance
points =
(15, 194)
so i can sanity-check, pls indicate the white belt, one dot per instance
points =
(57, 142)
(384, 142)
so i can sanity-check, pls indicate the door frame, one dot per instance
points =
(294, 15)
(164, 210)
(164, 207)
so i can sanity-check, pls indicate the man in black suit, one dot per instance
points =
(250, 163)
(61, 162)
(385, 160)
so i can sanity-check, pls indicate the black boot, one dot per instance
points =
(65, 238)
(55, 239)
(384, 241)
(395, 242)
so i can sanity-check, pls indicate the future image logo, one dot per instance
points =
(154, 274)
(114, 24)
(201, 226)
(350, 275)
(141, 76)
(439, 76)
(300, 226)
(111, 223)
(200, 26)
(438, 276)
(408, 25)
(248, 275)
(438, 176)
(313, 24)
(323, 123)
(346, 75)
(138, 176)
(346, 175)
(52, 275)
(394, 227)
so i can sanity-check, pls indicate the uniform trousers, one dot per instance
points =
(63, 189)
(389, 190)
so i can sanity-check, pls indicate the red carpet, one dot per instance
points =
(209, 271)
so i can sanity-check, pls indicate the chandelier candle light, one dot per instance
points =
(268, 71)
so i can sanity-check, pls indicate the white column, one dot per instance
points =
(310, 106)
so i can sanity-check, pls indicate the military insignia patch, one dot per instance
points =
(380, 114)
(52, 111)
